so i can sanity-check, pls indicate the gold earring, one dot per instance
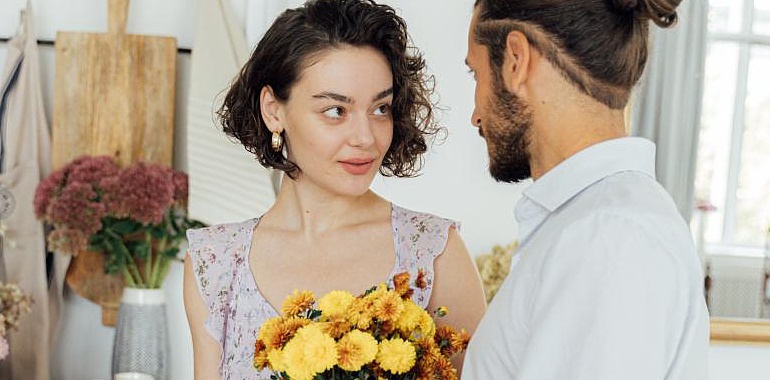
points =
(277, 141)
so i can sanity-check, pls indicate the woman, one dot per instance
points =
(331, 95)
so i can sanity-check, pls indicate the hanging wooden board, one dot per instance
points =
(114, 94)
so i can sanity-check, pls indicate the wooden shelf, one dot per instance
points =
(740, 331)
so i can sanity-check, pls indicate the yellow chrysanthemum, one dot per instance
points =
(276, 359)
(356, 349)
(378, 292)
(360, 313)
(295, 323)
(389, 306)
(427, 325)
(275, 332)
(272, 333)
(396, 355)
(310, 352)
(409, 318)
(297, 302)
(336, 326)
(335, 303)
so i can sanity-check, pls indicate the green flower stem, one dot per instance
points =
(123, 250)
(164, 271)
(148, 260)
(127, 277)
(156, 279)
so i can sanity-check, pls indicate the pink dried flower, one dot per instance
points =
(91, 200)
(77, 208)
(46, 190)
(112, 198)
(91, 170)
(181, 188)
(4, 348)
(147, 192)
(66, 240)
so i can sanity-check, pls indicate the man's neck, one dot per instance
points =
(559, 134)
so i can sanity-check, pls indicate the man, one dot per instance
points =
(606, 283)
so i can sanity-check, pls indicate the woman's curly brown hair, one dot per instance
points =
(300, 34)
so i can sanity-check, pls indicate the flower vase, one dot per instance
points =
(141, 334)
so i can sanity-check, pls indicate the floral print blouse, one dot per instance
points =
(237, 309)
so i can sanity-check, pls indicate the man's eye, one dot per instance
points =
(382, 110)
(335, 112)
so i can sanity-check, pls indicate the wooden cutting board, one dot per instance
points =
(114, 94)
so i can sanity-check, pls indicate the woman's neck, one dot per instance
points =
(307, 209)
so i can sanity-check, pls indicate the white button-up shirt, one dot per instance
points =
(607, 284)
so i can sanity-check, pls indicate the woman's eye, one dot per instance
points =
(382, 110)
(335, 112)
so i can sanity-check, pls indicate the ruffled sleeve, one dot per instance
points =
(213, 270)
(420, 239)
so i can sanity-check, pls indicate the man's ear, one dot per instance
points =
(271, 109)
(516, 60)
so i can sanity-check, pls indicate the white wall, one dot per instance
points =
(454, 184)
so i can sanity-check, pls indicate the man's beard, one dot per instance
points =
(506, 131)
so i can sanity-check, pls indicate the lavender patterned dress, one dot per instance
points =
(236, 307)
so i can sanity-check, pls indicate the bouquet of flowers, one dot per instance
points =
(136, 215)
(380, 334)
(13, 304)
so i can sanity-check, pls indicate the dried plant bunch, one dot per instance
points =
(494, 266)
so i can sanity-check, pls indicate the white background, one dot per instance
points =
(454, 184)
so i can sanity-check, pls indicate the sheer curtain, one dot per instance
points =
(667, 103)
(226, 182)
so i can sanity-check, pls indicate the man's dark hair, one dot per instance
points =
(598, 45)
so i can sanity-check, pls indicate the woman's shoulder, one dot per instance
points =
(421, 220)
(220, 233)
(421, 233)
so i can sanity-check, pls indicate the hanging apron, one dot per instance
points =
(24, 159)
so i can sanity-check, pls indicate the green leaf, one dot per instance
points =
(139, 249)
(171, 252)
(313, 314)
(126, 227)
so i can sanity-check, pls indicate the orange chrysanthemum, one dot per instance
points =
(260, 355)
(421, 281)
(443, 339)
(401, 285)
(460, 341)
(427, 349)
(443, 369)
(297, 303)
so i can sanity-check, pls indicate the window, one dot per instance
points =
(733, 163)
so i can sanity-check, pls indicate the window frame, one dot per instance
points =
(746, 39)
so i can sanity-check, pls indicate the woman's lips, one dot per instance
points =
(357, 166)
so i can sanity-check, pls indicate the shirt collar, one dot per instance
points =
(590, 165)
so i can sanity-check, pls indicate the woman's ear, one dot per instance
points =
(516, 62)
(271, 109)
